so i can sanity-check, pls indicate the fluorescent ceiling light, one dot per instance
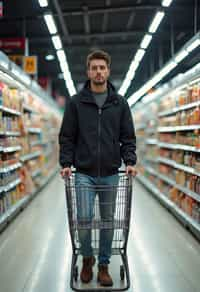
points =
(193, 46)
(156, 21)
(134, 65)
(64, 67)
(152, 82)
(124, 87)
(43, 3)
(57, 42)
(130, 75)
(180, 56)
(139, 55)
(61, 56)
(70, 87)
(194, 43)
(166, 3)
(146, 41)
(50, 23)
(67, 76)
(50, 57)
(170, 66)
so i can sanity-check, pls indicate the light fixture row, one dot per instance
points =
(57, 43)
(189, 47)
(143, 47)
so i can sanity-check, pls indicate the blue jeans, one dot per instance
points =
(85, 211)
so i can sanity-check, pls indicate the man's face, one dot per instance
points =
(98, 72)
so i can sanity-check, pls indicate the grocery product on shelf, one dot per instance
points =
(28, 144)
(169, 150)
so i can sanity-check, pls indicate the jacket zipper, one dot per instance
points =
(99, 142)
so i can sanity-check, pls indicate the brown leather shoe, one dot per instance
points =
(86, 272)
(103, 276)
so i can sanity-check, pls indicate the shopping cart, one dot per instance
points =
(119, 224)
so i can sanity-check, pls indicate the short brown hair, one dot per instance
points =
(99, 55)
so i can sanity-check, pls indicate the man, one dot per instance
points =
(96, 133)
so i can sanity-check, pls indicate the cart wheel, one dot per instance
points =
(122, 274)
(75, 273)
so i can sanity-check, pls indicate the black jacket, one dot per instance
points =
(94, 140)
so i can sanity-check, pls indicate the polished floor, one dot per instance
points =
(35, 250)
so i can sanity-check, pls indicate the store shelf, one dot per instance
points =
(27, 108)
(182, 216)
(10, 167)
(178, 128)
(9, 133)
(179, 147)
(178, 109)
(151, 159)
(173, 183)
(20, 205)
(34, 130)
(10, 111)
(36, 173)
(36, 143)
(141, 127)
(151, 130)
(30, 156)
(47, 153)
(178, 166)
(12, 212)
(151, 141)
(11, 185)
(11, 149)
(150, 169)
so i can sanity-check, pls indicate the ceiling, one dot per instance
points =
(117, 26)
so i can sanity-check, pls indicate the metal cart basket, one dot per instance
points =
(119, 224)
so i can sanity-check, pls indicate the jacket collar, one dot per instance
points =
(87, 96)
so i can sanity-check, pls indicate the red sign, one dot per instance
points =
(1, 8)
(44, 82)
(12, 43)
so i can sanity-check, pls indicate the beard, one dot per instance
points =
(99, 82)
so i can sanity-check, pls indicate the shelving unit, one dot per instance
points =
(12, 212)
(169, 150)
(11, 167)
(184, 218)
(11, 149)
(24, 134)
(30, 156)
(178, 147)
(34, 130)
(11, 111)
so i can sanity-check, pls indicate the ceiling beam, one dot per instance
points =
(129, 23)
(113, 9)
(115, 34)
(86, 21)
(92, 35)
(130, 20)
(62, 21)
(101, 10)
(105, 17)
(44, 47)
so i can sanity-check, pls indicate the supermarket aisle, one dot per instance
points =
(35, 250)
